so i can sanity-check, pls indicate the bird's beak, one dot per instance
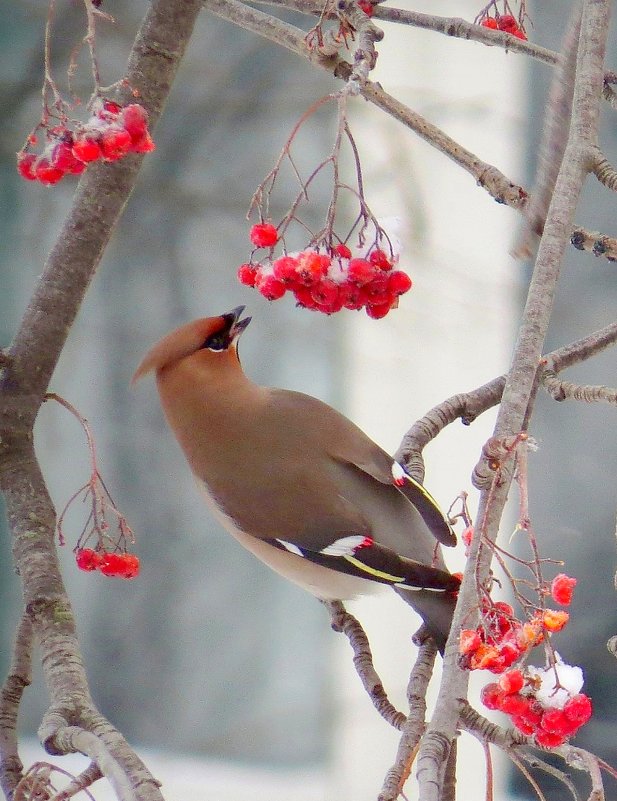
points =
(236, 325)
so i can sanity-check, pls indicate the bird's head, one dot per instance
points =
(211, 337)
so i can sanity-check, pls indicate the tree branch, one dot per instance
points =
(413, 727)
(73, 722)
(554, 138)
(342, 621)
(521, 383)
(469, 405)
(19, 677)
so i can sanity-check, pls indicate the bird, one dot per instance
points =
(296, 482)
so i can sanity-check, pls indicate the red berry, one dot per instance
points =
(548, 739)
(86, 150)
(270, 288)
(286, 270)
(514, 704)
(377, 310)
(62, 157)
(533, 714)
(304, 297)
(115, 143)
(360, 272)
(491, 696)
(130, 565)
(112, 564)
(509, 652)
(522, 725)
(578, 708)
(312, 267)
(142, 144)
(25, 166)
(508, 24)
(263, 235)
(399, 282)
(135, 120)
(377, 290)
(504, 608)
(46, 173)
(555, 721)
(484, 657)
(490, 22)
(247, 274)
(342, 251)
(468, 641)
(512, 681)
(352, 296)
(326, 293)
(562, 588)
(87, 559)
(379, 259)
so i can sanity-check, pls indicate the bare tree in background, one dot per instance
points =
(344, 43)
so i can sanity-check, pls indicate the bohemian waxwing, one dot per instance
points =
(295, 482)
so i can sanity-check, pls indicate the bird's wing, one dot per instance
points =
(334, 435)
(362, 557)
(372, 460)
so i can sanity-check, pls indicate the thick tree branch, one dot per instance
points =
(19, 677)
(521, 382)
(73, 722)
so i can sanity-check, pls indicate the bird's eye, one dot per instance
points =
(218, 341)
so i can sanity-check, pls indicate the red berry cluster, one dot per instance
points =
(111, 133)
(119, 565)
(326, 281)
(500, 640)
(505, 23)
(551, 726)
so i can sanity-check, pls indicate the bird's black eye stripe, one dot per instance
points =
(218, 341)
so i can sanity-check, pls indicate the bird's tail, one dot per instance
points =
(436, 610)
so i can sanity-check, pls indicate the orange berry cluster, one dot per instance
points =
(117, 565)
(326, 281)
(550, 709)
(111, 133)
(501, 640)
